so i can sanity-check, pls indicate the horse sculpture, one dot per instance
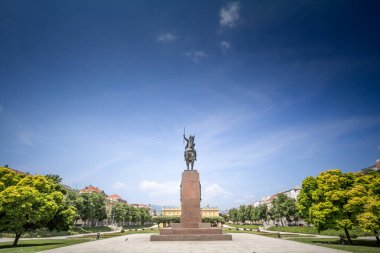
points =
(190, 153)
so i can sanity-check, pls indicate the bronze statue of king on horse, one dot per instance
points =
(190, 153)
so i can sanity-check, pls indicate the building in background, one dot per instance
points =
(90, 189)
(375, 167)
(205, 211)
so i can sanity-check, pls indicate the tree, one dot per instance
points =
(234, 215)
(166, 220)
(55, 178)
(94, 208)
(365, 197)
(145, 215)
(119, 213)
(262, 212)
(323, 201)
(213, 220)
(242, 214)
(136, 215)
(8, 178)
(73, 198)
(29, 204)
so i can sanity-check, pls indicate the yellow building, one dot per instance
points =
(205, 212)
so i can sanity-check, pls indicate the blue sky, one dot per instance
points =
(99, 92)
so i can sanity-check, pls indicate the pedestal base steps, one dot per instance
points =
(191, 227)
(197, 237)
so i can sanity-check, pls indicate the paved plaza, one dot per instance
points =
(247, 243)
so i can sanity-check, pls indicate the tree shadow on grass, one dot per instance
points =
(22, 245)
(366, 243)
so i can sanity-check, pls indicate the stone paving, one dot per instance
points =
(241, 243)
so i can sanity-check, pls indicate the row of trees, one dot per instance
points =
(283, 208)
(337, 200)
(123, 214)
(30, 202)
(332, 200)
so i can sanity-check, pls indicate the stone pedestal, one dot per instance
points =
(191, 227)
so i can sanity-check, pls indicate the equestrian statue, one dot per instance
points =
(190, 153)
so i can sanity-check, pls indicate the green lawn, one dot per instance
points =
(44, 232)
(312, 230)
(244, 226)
(359, 246)
(283, 236)
(30, 246)
(136, 226)
(105, 236)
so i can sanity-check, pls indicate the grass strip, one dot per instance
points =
(359, 246)
(30, 246)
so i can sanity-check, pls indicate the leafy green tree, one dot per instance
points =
(262, 212)
(136, 215)
(242, 213)
(73, 198)
(234, 215)
(283, 207)
(128, 213)
(323, 201)
(166, 220)
(8, 178)
(94, 208)
(29, 204)
(100, 207)
(119, 213)
(55, 178)
(145, 215)
(365, 199)
(213, 220)
(226, 217)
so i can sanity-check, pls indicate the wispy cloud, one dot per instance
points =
(216, 191)
(1, 108)
(166, 38)
(195, 55)
(224, 46)
(229, 15)
(155, 188)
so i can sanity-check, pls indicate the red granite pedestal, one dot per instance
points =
(191, 227)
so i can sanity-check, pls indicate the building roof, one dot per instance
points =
(90, 189)
(375, 167)
(116, 198)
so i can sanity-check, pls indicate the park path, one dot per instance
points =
(241, 243)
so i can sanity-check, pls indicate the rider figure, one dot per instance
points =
(190, 146)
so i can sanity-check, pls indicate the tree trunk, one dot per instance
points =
(18, 235)
(377, 237)
(348, 236)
